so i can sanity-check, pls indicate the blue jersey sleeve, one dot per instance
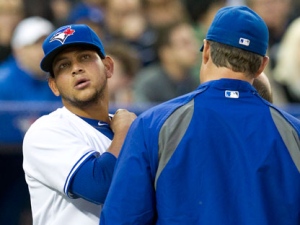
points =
(93, 178)
(131, 196)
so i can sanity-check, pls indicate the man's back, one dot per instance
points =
(241, 171)
(219, 155)
(209, 164)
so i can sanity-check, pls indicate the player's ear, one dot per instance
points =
(109, 66)
(53, 87)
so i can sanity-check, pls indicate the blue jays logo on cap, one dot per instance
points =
(62, 36)
(66, 36)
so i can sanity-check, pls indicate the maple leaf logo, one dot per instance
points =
(62, 35)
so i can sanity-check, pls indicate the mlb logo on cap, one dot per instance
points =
(244, 41)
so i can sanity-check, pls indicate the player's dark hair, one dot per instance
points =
(51, 74)
(235, 59)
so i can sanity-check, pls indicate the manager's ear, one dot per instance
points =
(53, 87)
(263, 65)
(205, 51)
(109, 66)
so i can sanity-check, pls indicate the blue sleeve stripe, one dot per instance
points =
(171, 134)
(92, 179)
(73, 170)
(289, 134)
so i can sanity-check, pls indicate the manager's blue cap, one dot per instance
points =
(240, 27)
(66, 36)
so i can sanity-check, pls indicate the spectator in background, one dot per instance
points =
(100, 4)
(20, 75)
(178, 50)
(11, 13)
(161, 13)
(201, 14)
(21, 79)
(60, 10)
(39, 8)
(287, 69)
(277, 14)
(125, 21)
(90, 13)
(126, 66)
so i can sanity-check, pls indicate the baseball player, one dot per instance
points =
(218, 155)
(70, 154)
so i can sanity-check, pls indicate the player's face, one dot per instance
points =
(80, 76)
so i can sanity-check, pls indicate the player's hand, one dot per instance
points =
(120, 124)
(122, 120)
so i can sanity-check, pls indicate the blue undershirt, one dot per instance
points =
(92, 179)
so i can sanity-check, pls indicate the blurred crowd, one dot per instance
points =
(154, 43)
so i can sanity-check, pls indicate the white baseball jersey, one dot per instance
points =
(53, 148)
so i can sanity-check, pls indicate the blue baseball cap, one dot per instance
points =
(240, 27)
(66, 36)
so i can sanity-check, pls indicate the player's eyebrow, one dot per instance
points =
(58, 59)
(75, 50)
(62, 55)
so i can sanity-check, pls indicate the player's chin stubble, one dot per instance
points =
(92, 100)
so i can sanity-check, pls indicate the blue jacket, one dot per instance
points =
(17, 84)
(219, 155)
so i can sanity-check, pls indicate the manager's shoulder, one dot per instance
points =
(291, 119)
(163, 110)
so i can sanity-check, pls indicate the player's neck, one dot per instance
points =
(97, 111)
